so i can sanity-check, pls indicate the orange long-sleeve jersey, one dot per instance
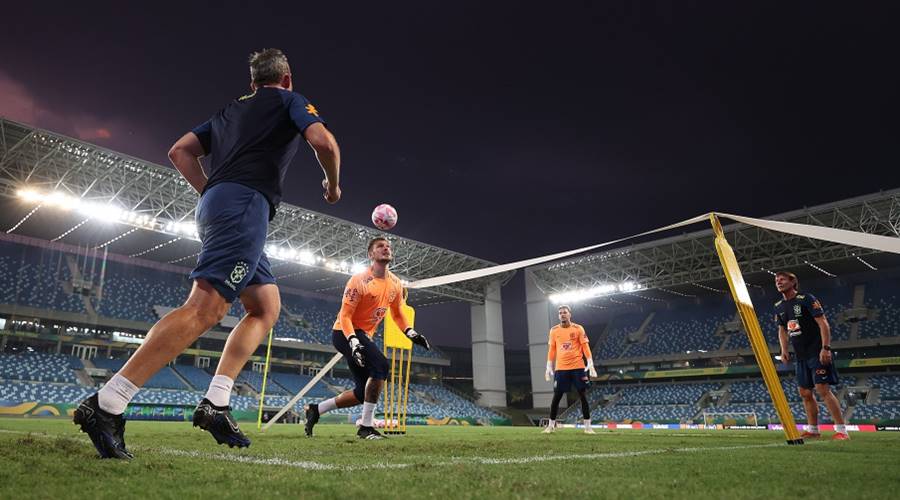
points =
(366, 301)
(567, 346)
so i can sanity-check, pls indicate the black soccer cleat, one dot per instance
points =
(218, 421)
(365, 432)
(106, 431)
(312, 418)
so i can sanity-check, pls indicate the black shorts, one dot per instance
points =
(563, 380)
(376, 364)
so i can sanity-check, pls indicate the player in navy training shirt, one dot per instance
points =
(249, 145)
(801, 319)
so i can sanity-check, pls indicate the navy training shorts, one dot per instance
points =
(563, 380)
(232, 220)
(811, 371)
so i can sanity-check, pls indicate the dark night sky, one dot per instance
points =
(507, 130)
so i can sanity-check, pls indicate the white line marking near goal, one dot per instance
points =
(317, 466)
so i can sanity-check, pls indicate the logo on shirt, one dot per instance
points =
(352, 294)
(798, 311)
(566, 346)
(237, 275)
(793, 328)
(817, 305)
(312, 110)
(380, 312)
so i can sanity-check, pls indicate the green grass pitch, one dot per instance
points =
(49, 458)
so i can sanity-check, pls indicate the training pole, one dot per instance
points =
(751, 324)
(309, 385)
(262, 396)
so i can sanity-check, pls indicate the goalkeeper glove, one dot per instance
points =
(356, 351)
(549, 373)
(590, 368)
(417, 338)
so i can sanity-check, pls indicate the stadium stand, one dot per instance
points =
(665, 394)
(293, 382)
(163, 379)
(616, 340)
(36, 279)
(884, 297)
(681, 331)
(196, 377)
(17, 392)
(39, 367)
(255, 380)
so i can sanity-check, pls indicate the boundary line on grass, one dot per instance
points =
(317, 466)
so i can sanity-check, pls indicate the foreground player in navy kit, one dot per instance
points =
(250, 144)
(800, 317)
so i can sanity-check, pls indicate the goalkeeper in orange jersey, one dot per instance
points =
(367, 297)
(569, 348)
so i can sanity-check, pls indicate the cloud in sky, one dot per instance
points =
(19, 104)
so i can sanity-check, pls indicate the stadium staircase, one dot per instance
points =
(77, 277)
(601, 340)
(638, 336)
(187, 383)
(82, 376)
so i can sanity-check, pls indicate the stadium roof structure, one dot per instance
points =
(60, 189)
(687, 264)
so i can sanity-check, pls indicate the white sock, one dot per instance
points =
(327, 405)
(813, 428)
(116, 394)
(368, 414)
(840, 428)
(219, 392)
(552, 423)
(587, 423)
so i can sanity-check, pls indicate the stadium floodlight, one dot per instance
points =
(30, 195)
(596, 291)
(307, 257)
(358, 268)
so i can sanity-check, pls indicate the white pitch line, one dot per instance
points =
(317, 466)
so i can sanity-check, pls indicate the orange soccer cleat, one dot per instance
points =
(840, 436)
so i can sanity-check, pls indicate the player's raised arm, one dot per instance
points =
(329, 155)
(185, 154)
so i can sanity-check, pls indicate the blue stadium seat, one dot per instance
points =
(38, 367)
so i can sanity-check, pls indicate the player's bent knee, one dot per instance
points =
(209, 317)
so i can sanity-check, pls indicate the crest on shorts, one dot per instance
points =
(239, 272)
